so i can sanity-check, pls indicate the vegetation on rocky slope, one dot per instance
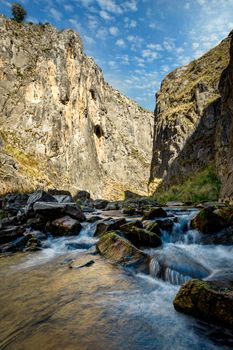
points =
(203, 185)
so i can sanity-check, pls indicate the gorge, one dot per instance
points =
(93, 253)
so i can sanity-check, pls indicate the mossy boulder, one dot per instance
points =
(226, 214)
(211, 301)
(141, 237)
(208, 222)
(129, 226)
(155, 213)
(119, 250)
(152, 226)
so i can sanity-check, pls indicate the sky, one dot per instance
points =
(137, 42)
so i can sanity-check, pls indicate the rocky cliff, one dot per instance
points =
(61, 124)
(224, 140)
(187, 119)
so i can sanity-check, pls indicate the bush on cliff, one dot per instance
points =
(18, 12)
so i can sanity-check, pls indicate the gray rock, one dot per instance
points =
(55, 210)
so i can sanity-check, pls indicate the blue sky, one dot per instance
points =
(137, 42)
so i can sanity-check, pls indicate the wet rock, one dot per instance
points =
(113, 206)
(175, 265)
(56, 210)
(155, 213)
(10, 221)
(152, 226)
(36, 234)
(75, 245)
(211, 301)
(33, 245)
(65, 226)
(208, 222)
(119, 250)
(36, 223)
(94, 218)
(100, 203)
(225, 237)
(226, 214)
(129, 211)
(40, 196)
(175, 204)
(142, 238)
(165, 225)
(109, 225)
(131, 225)
(15, 246)
(11, 233)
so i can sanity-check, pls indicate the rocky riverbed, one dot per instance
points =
(81, 274)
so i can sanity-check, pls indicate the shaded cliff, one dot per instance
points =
(186, 125)
(61, 124)
(224, 139)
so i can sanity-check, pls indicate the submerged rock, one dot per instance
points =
(119, 250)
(175, 265)
(211, 301)
(208, 222)
(65, 226)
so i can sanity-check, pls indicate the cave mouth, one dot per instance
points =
(98, 131)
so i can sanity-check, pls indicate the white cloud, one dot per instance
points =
(105, 15)
(75, 24)
(88, 39)
(157, 47)
(195, 45)
(57, 16)
(187, 6)
(102, 33)
(68, 8)
(150, 54)
(113, 30)
(120, 43)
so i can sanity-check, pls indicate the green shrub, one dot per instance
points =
(203, 185)
(18, 12)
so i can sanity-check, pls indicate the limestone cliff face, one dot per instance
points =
(224, 138)
(186, 118)
(61, 124)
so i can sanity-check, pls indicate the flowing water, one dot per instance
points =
(46, 305)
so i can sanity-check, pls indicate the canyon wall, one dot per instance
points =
(61, 124)
(189, 132)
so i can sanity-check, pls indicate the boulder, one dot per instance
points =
(15, 246)
(11, 233)
(165, 225)
(155, 213)
(152, 226)
(94, 218)
(175, 265)
(55, 192)
(224, 237)
(113, 206)
(39, 196)
(63, 199)
(65, 226)
(56, 210)
(109, 225)
(226, 214)
(13, 202)
(119, 250)
(131, 225)
(141, 237)
(33, 245)
(211, 301)
(82, 196)
(208, 222)
(129, 211)
(75, 245)
(100, 203)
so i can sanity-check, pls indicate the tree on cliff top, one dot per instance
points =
(18, 12)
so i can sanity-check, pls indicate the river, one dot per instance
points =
(47, 305)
